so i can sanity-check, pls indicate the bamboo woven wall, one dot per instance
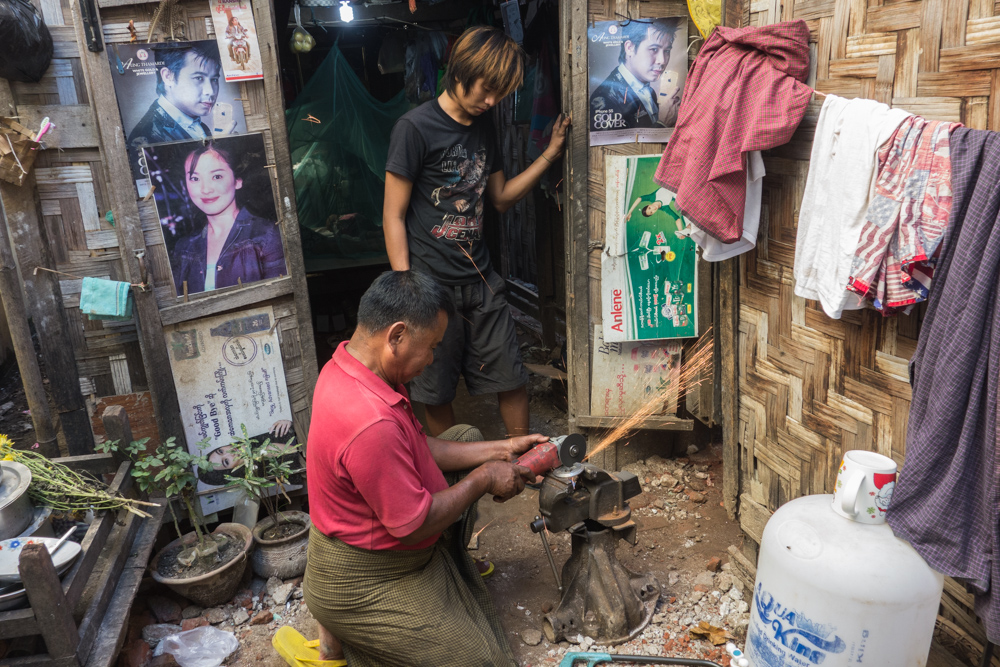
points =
(811, 387)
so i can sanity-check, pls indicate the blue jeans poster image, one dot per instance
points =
(648, 271)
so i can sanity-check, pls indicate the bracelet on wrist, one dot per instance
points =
(546, 159)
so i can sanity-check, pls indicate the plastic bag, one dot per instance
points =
(206, 646)
(25, 42)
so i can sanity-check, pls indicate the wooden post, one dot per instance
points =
(53, 612)
(267, 28)
(734, 13)
(45, 303)
(131, 240)
(573, 71)
(27, 363)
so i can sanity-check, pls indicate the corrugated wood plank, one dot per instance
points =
(935, 84)
(904, 83)
(859, 12)
(994, 110)
(982, 30)
(956, 13)
(75, 126)
(841, 22)
(930, 35)
(809, 10)
(884, 79)
(936, 108)
(900, 16)
(975, 112)
(865, 68)
(871, 44)
(979, 9)
(970, 58)
(844, 87)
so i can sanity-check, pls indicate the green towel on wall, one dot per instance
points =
(104, 299)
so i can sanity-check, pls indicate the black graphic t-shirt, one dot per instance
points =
(449, 164)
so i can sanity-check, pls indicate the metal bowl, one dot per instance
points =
(16, 510)
(13, 597)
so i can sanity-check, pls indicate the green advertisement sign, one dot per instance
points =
(649, 276)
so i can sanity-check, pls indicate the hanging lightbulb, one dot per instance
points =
(346, 11)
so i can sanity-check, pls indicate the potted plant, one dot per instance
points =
(205, 567)
(282, 537)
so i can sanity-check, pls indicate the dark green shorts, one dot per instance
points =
(480, 344)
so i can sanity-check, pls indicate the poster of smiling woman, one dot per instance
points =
(636, 70)
(172, 91)
(217, 213)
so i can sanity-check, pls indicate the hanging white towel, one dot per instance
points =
(714, 250)
(838, 190)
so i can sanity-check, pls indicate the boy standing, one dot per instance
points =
(443, 158)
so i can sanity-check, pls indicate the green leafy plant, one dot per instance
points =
(265, 467)
(170, 470)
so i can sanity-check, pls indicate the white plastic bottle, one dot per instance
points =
(832, 591)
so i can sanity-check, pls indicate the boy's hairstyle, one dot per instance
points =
(489, 54)
(636, 31)
(173, 58)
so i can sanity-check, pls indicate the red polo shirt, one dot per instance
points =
(371, 474)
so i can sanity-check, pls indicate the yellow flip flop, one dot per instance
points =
(299, 651)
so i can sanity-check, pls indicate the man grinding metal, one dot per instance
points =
(388, 578)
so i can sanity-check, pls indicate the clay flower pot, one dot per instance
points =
(215, 587)
(285, 557)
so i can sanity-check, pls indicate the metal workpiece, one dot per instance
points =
(570, 496)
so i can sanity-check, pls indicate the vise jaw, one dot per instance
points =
(584, 495)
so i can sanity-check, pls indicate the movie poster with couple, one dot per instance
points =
(228, 373)
(636, 72)
(172, 91)
(217, 213)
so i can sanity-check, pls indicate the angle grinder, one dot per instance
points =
(563, 450)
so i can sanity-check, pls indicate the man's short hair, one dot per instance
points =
(635, 31)
(173, 58)
(410, 297)
(489, 54)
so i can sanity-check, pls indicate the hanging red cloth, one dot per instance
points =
(746, 92)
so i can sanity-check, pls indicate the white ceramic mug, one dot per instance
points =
(864, 487)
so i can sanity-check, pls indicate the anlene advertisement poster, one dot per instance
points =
(648, 272)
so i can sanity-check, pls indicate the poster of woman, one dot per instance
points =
(636, 71)
(217, 212)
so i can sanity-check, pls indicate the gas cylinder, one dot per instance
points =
(835, 592)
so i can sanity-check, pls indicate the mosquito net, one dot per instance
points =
(339, 140)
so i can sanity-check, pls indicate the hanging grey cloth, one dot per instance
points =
(945, 503)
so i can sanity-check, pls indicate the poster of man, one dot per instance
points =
(217, 213)
(229, 375)
(648, 268)
(636, 73)
(236, 34)
(172, 92)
